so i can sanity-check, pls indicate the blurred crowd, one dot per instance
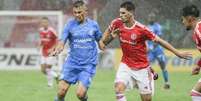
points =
(167, 14)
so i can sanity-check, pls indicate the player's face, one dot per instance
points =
(187, 22)
(44, 23)
(79, 13)
(125, 15)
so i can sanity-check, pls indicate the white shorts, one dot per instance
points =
(140, 79)
(48, 60)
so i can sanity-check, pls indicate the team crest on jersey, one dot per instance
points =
(91, 32)
(133, 36)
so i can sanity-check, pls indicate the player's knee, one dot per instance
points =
(62, 92)
(81, 94)
(43, 70)
(119, 87)
(162, 65)
(146, 97)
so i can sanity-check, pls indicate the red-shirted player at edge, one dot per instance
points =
(134, 69)
(48, 39)
(191, 20)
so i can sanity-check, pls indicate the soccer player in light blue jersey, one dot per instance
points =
(155, 51)
(80, 65)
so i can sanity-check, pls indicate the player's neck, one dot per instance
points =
(82, 21)
(130, 23)
(196, 22)
(45, 28)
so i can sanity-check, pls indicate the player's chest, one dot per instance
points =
(130, 35)
(82, 31)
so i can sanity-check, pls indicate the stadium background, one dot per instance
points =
(19, 38)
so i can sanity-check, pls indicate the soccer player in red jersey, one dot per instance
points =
(191, 20)
(48, 39)
(134, 69)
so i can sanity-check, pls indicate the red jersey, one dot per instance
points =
(133, 43)
(197, 35)
(48, 39)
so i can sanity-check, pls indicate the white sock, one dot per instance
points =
(120, 97)
(50, 77)
(196, 98)
(53, 73)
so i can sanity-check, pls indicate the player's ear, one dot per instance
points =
(191, 19)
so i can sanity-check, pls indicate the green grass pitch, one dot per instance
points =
(32, 86)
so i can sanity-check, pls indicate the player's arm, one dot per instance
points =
(61, 42)
(196, 69)
(165, 44)
(108, 36)
(40, 43)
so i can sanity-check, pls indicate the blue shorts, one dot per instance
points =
(157, 55)
(73, 73)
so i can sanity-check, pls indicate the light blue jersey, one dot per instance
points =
(80, 64)
(155, 50)
(82, 41)
(156, 29)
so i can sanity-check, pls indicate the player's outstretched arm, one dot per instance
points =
(57, 49)
(165, 44)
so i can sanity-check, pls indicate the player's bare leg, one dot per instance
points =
(81, 92)
(120, 89)
(196, 92)
(43, 68)
(146, 97)
(62, 90)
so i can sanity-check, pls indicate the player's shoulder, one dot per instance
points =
(198, 27)
(116, 21)
(51, 29)
(141, 26)
(71, 21)
(41, 29)
(92, 22)
(157, 25)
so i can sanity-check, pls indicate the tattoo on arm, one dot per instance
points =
(108, 39)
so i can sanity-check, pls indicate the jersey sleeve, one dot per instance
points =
(198, 39)
(148, 34)
(113, 25)
(65, 35)
(53, 31)
(98, 33)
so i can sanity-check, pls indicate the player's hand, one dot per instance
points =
(101, 45)
(115, 32)
(185, 55)
(195, 70)
(57, 49)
